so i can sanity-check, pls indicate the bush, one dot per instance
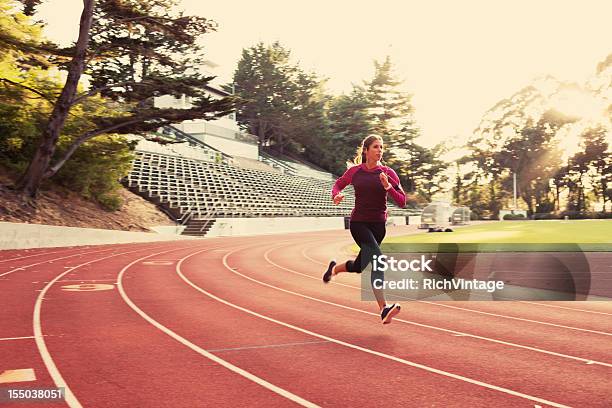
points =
(573, 215)
(96, 168)
(110, 202)
(576, 215)
(510, 217)
(546, 216)
(545, 207)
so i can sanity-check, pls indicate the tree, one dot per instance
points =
(597, 152)
(308, 126)
(425, 171)
(593, 159)
(392, 112)
(392, 116)
(29, 6)
(133, 51)
(349, 123)
(519, 136)
(464, 172)
(31, 180)
(280, 103)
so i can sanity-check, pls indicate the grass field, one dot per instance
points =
(584, 235)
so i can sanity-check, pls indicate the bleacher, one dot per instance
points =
(295, 168)
(191, 190)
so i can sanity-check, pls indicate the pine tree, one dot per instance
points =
(392, 113)
(350, 123)
(279, 102)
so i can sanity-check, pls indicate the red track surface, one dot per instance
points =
(248, 322)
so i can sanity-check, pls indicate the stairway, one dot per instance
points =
(198, 227)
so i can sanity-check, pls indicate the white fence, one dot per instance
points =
(19, 236)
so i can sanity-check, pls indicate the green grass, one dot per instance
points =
(515, 236)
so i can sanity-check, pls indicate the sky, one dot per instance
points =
(457, 58)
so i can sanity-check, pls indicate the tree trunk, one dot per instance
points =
(31, 180)
(580, 193)
(494, 207)
(261, 133)
(527, 197)
(604, 194)
(51, 170)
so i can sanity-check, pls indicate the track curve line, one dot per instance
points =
(443, 305)
(21, 268)
(363, 349)
(455, 332)
(59, 381)
(260, 381)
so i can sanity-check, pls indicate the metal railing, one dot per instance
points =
(274, 162)
(209, 214)
(179, 134)
(188, 215)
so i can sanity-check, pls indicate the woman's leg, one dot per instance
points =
(368, 236)
(357, 231)
(379, 231)
(361, 235)
(387, 312)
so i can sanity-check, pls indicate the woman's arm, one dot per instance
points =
(344, 181)
(395, 191)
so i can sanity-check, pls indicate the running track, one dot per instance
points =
(247, 322)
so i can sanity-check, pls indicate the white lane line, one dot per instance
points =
(158, 263)
(442, 304)
(86, 280)
(50, 261)
(566, 308)
(71, 400)
(267, 258)
(29, 256)
(453, 332)
(520, 319)
(260, 381)
(356, 347)
(16, 338)
(302, 343)
(64, 257)
(303, 252)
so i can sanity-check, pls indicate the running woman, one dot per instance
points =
(372, 183)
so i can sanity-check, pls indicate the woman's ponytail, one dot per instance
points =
(360, 156)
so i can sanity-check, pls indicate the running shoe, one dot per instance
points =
(388, 312)
(328, 273)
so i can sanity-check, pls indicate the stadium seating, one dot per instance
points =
(192, 190)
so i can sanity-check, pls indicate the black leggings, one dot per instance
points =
(368, 235)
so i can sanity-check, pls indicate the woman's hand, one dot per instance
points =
(338, 198)
(385, 181)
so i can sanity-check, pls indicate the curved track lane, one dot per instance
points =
(247, 322)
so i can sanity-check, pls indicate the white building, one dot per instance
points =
(223, 133)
